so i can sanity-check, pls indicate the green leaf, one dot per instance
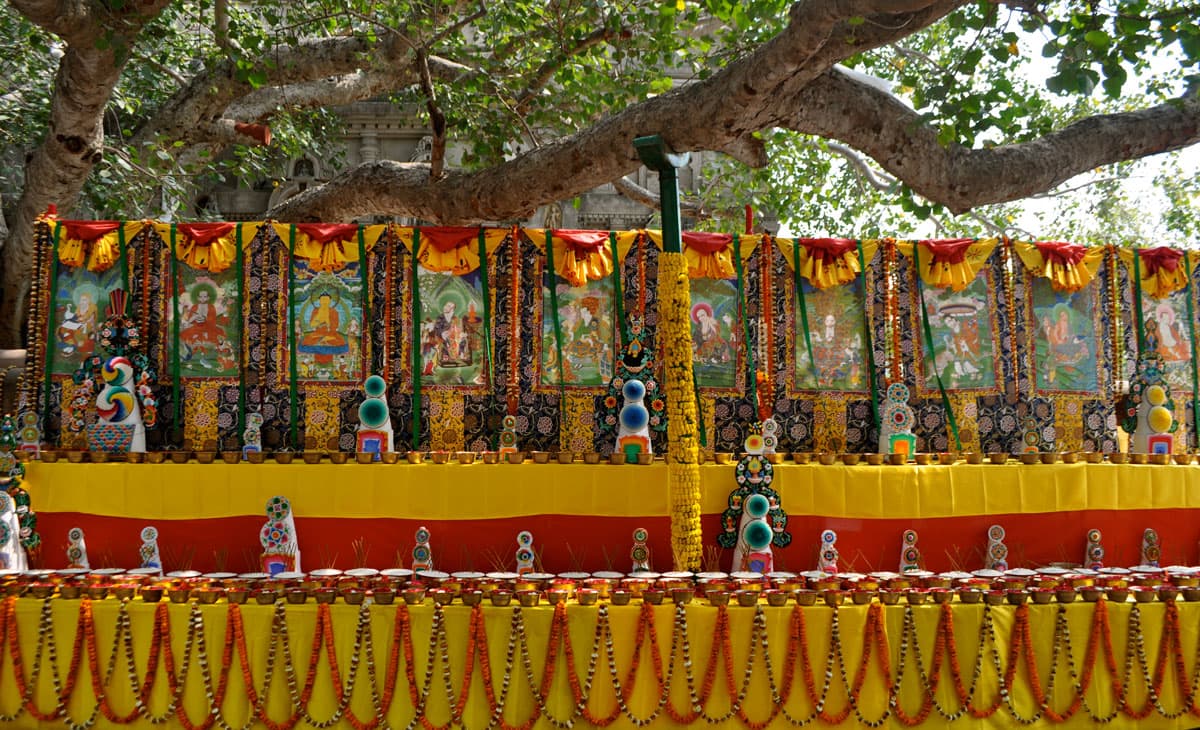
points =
(1097, 39)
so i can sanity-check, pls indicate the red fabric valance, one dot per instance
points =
(827, 250)
(204, 233)
(89, 230)
(953, 251)
(707, 243)
(582, 242)
(448, 238)
(326, 232)
(1061, 252)
(1162, 257)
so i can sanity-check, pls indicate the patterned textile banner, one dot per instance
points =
(716, 346)
(587, 334)
(452, 342)
(79, 300)
(1030, 341)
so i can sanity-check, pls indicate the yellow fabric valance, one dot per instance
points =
(953, 263)
(825, 264)
(208, 247)
(705, 261)
(1164, 271)
(1068, 267)
(451, 249)
(94, 243)
(580, 261)
(328, 247)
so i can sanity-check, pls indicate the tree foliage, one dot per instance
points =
(538, 98)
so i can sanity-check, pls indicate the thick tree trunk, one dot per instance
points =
(56, 171)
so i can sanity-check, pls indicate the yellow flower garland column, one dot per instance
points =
(683, 469)
(675, 343)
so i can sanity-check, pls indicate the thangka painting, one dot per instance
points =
(1174, 341)
(964, 342)
(452, 342)
(714, 332)
(80, 297)
(585, 321)
(209, 323)
(837, 329)
(327, 311)
(1064, 338)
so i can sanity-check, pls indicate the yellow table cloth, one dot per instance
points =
(1067, 642)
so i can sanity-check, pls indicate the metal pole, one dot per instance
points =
(655, 155)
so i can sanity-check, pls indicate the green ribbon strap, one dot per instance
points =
(562, 396)
(487, 308)
(862, 277)
(618, 328)
(930, 350)
(1195, 366)
(293, 366)
(487, 322)
(50, 325)
(751, 379)
(124, 258)
(240, 272)
(177, 423)
(414, 287)
(364, 281)
(812, 358)
(1137, 301)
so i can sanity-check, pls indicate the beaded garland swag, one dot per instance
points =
(831, 683)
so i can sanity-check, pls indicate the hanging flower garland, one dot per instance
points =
(683, 470)
(875, 651)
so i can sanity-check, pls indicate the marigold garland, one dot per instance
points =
(1020, 661)
(683, 471)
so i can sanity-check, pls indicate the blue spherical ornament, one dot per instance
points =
(373, 413)
(757, 506)
(757, 535)
(374, 387)
(635, 417)
(633, 390)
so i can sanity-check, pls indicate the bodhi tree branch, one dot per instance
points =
(837, 106)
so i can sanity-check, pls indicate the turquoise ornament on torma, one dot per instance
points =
(374, 419)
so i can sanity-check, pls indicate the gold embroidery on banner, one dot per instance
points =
(708, 420)
(322, 428)
(966, 414)
(200, 415)
(829, 422)
(69, 439)
(445, 420)
(576, 434)
(1068, 422)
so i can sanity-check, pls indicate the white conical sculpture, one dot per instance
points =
(1151, 550)
(1094, 553)
(910, 554)
(996, 557)
(640, 553)
(1149, 415)
(525, 554)
(633, 432)
(281, 548)
(375, 433)
(120, 415)
(77, 556)
(827, 560)
(12, 555)
(753, 552)
(896, 423)
(149, 550)
(422, 553)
